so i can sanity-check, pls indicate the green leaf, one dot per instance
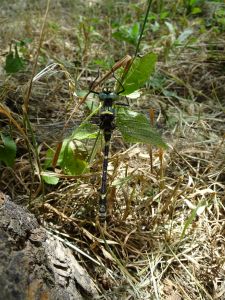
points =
(196, 10)
(72, 158)
(49, 157)
(70, 162)
(192, 2)
(92, 104)
(136, 128)
(50, 178)
(85, 131)
(127, 33)
(164, 15)
(13, 62)
(7, 151)
(134, 32)
(102, 63)
(139, 73)
(24, 42)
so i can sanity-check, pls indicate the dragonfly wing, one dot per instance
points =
(86, 130)
(135, 128)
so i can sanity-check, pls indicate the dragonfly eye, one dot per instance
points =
(103, 96)
(113, 96)
(107, 96)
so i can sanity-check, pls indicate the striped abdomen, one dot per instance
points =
(107, 125)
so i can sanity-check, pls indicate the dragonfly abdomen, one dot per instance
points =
(103, 190)
(107, 117)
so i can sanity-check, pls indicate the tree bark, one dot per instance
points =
(35, 265)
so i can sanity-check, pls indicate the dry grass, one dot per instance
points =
(165, 237)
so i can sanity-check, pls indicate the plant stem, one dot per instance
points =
(143, 27)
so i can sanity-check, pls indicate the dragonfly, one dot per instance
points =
(134, 127)
(107, 100)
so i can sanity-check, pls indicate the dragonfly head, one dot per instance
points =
(107, 95)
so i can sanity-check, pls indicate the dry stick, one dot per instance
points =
(4, 111)
(151, 115)
(161, 170)
(128, 200)
(27, 97)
